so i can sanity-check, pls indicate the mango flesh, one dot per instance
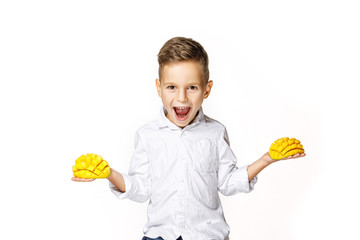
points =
(91, 166)
(285, 147)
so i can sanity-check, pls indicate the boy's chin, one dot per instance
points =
(184, 123)
(178, 123)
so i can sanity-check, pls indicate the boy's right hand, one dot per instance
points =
(76, 179)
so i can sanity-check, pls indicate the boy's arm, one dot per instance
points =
(256, 167)
(117, 179)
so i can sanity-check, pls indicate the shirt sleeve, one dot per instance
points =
(137, 181)
(231, 179)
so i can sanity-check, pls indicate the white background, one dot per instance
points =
(79, 77)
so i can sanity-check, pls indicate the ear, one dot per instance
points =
(158, 87)
(208, 89)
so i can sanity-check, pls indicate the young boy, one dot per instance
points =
(183, 159)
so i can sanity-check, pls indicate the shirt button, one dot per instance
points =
(181, 203)
(181, 225)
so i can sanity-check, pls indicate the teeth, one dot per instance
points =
(181, 108)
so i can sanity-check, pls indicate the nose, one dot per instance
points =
(182, 96)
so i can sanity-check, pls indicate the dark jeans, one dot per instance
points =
(158, 238)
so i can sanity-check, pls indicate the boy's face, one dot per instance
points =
(182, 90)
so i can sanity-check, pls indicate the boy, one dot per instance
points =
(182, 159)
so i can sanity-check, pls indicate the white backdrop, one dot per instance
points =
(79, 77)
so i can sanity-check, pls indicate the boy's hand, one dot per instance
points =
(75, 179)
(298, 155)
(256, 167)
(269, 160)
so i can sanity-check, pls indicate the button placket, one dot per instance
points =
(181, 176)
(181, 225)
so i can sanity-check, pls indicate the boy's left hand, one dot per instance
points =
(267, 157)
(256, 167)
(294, 156)
(76, 179)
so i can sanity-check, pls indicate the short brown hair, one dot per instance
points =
(180, 49)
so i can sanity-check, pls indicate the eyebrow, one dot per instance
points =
(190, 84)
(194, 83)
(167, 83)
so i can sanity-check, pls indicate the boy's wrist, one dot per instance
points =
(111, 171)
(117, 179)
(267, 159)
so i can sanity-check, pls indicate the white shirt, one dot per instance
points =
(181, 171)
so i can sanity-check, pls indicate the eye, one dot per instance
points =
(170, 87)
(193, 87)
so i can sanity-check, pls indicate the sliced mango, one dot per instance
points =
(285, 147)
(91, 166)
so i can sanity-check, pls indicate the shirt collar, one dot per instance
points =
(163, 121)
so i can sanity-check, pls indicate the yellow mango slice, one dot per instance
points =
(91, 166)
(285, 147)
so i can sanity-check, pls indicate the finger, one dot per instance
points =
(293, 156)
(299, 155)
(82, 179)
(85, 180)
(296, 156)
(289, 157)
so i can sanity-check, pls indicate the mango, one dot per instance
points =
(285, 147)
(91, 166)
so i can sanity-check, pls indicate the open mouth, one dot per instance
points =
(182, 113)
